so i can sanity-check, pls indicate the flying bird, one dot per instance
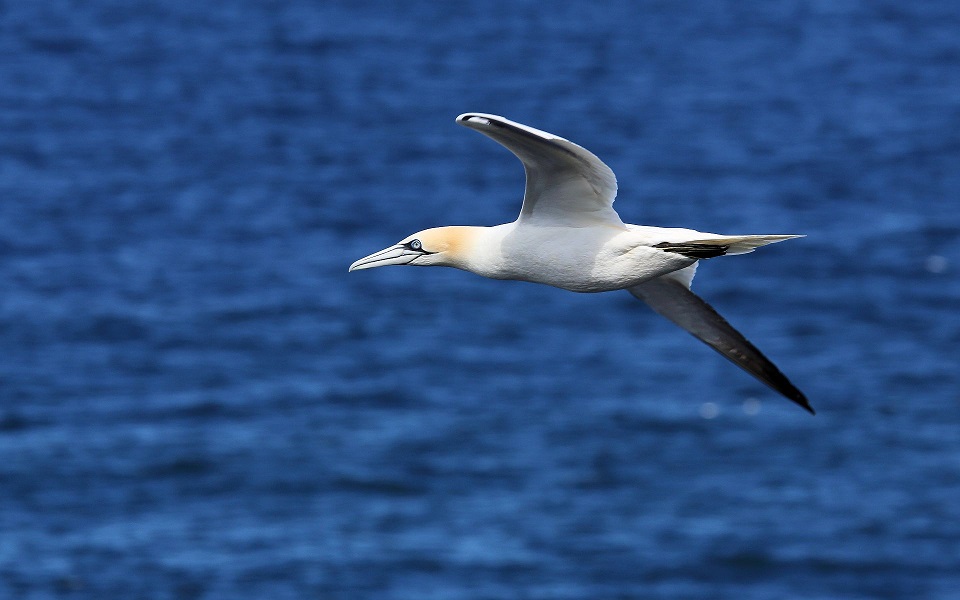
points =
(569, 236)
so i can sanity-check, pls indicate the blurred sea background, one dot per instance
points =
(197, 400)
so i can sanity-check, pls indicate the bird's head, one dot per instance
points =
(440, 246)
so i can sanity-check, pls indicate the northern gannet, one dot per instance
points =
(569, 236)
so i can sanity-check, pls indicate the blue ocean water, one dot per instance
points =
(197, 400)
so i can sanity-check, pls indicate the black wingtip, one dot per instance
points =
(796, 396)
(779, 382)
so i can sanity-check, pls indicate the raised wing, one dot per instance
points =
(670, 297)
(566, 184)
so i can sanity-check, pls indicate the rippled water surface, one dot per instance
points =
(197, 400)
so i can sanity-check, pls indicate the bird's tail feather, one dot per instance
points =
(741, 244)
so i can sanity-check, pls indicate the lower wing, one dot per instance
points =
(671, 298)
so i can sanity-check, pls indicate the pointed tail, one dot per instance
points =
(741, 244)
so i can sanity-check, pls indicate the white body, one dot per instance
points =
(585, 259)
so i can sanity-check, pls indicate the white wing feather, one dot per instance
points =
(566, 184)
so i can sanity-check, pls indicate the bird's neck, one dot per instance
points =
(479, 249)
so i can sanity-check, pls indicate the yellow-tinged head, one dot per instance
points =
(440, 246)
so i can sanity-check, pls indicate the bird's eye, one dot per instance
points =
(414, 245)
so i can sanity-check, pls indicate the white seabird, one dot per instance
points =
(569, 236)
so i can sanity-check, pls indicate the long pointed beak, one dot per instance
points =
(394, 255)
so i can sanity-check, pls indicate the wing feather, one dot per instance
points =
(566, 184)
(670, 297)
